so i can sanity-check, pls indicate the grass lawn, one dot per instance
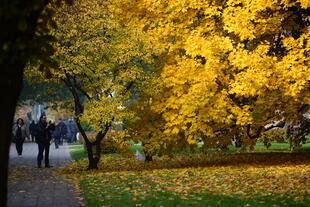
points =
(273, 177)
(141, 191)
(280, 147)
(77, 152)
(74, 143)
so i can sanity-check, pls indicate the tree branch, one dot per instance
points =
(261, 129)
(280, 124)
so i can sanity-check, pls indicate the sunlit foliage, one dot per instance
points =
(222, 66)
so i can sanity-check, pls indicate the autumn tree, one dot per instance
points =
(225, 68)
(101, 63)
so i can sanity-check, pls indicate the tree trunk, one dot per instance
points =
(12, 63)
(93, 158)
(92, 161)
(148, 156)
(238, 142)
(10, 86)
(19, 20)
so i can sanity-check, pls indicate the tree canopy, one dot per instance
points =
(175, 73)
(224, 65)
(100, 62)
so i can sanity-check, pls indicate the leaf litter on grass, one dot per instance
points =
(270, 178)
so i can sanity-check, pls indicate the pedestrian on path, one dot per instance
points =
(19, 133)
(31, 130)
(43, 138)
(72, 131)
(58, 132)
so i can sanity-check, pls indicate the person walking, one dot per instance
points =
(57, 133)
(20, 133)
(62, 131)
(32, 127)
(43, 139)
(72, 130)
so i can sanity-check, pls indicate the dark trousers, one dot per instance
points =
(57, 141)
(32, 137)
(43, 147)
(73, 137)
(19, 146)
(61, 140)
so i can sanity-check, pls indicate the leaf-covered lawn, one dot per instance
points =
(216, 180)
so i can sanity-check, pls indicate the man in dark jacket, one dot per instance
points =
(43, 138)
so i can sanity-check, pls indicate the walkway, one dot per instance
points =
(30, 186)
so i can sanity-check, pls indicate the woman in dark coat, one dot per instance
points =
(20, 133)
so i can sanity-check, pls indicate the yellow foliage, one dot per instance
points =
(211, 65)
(217, 66)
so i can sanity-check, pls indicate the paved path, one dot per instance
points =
(30, 186)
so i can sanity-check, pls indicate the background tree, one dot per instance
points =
(43, 92)
(226, 67)
(100, 62)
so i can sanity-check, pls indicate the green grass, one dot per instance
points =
(112, 191)
(275, 147)
(109, 195)
(279, 147)
(74, 143)
(77, 152)
(134, 148)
